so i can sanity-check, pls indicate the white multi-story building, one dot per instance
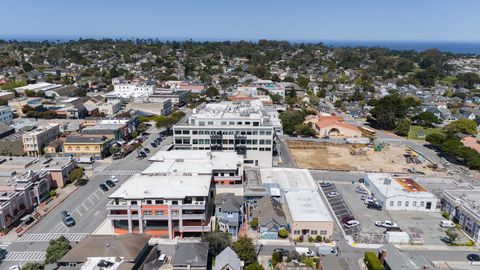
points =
(246, 128)
(132, 89)
(6, 115)
(463, 207)
(400, 193)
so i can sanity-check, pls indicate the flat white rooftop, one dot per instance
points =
(288, 178)
(306, 205)
(224, 160)
(173, 186)
(390, 186)
(172, 167)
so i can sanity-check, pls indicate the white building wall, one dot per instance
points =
(132, 90)
(6, 115)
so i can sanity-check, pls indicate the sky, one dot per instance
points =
(364, 20)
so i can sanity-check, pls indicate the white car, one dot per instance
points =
(113, 178)
(369, 200)
(332, 194)
(351, 224)
(386, 224)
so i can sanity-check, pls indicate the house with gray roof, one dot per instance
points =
(228, 260)
(229, 210)
(191, 256)
(271, 217)
(394, 259)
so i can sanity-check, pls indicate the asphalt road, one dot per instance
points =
(86, 204)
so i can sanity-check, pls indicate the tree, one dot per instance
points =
(27, 67)
(403, 127)
(75, 174)
(465, 126)
(254, 223)
(255, 266)
(165, 122)
(57, 248)
(305, 130)
(435, 138)
(33, 266)
(467, 80)
(114, 149)
(217, 241)
(276, 258)
(426, 119)
(303, 82)
(290, 119)
(372, 261)
(283, 233)
(388, 110)
(80, 92)
(452, 235)
(245, 250)
(212, 92)
(27, 108)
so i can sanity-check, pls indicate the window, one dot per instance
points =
(255, 124)
(133, 202)
(313, 232)
(194, 132)
(223, 123)
(148, 202)
(323, 232)
(158, 201)
(231, 123)
(296, 232)
(268, 133)
(247, 123)
(399, 203)
(177, 132)
(174, 202)
(414, 203)
(159, 213)
(186, 132)
(147, 213)
(407, 203)
(262, 132)
(194, 141)
(262, 141)
(391, 203)
(422, 204)
(201, 123)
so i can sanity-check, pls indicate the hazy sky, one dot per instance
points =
(410, 20)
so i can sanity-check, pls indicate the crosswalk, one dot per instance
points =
(118, 172)
(5, 244)
(24, 256)
(45, 237)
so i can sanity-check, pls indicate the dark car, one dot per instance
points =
(103, 187)
(142, 154)
(473, 257)
(153, 145)
(346, 219)
(361, 180)
(67, 219)
(374, 205)
(146, 150)
(109, 183)
(282, 251)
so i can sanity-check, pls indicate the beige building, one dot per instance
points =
(157, 107)
(110, 107)
(310, 216)
(35, 140)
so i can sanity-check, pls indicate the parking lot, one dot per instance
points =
(425, 224)
(339, 207)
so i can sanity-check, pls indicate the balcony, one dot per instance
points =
(193, 216)
(205, 228)
(192, 206)
(114, 216)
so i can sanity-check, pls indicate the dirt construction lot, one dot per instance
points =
(324, 156)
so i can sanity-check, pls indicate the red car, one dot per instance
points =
(346, 219)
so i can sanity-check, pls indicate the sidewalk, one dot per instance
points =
(43, 209)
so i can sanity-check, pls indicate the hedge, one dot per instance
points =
(372, 262)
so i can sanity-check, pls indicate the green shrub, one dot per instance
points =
(52, 193)
(283, 233)
(445, 214)
(254, 223)
(311, 239)
(319, 238)
(372, 262)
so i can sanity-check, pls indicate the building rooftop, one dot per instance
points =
(194, 254)
(288, 178)
(469, 198)
(41, 129)
(84, 139)
(391, 186)
(41, 86)
(307, 205)
(173, 186)
(172, 167)
(215, 160)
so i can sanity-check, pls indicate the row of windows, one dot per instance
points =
(231, 141)
(312, 232)
(224, 123)
(233, 148)
(407, 203)
(223, 132)
(87, 148)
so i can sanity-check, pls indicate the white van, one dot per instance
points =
(447, 224)
(304, 251)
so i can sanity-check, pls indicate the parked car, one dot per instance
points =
(282, 251)
(304, 251)
(447, 224)
(369, 200)
(333, 194)
(109, 183)
(386, 224)
(351, 224)
(103, 187)
(473, 258)
(114, 179)
(375, 206)
(361, 190)
(346, 219)
(361, 180)
(326, 184)
(153, 145)
(67, 219)
(146, 150)
(142, 154)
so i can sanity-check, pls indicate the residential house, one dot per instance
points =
(335, 126)
(190, 256)
(271, 217)
(229, 210)
(53, 147)
(228, 260)
(110, 107)
(393, 258)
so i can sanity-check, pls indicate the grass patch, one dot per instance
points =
(447, 80)
(415, 131)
